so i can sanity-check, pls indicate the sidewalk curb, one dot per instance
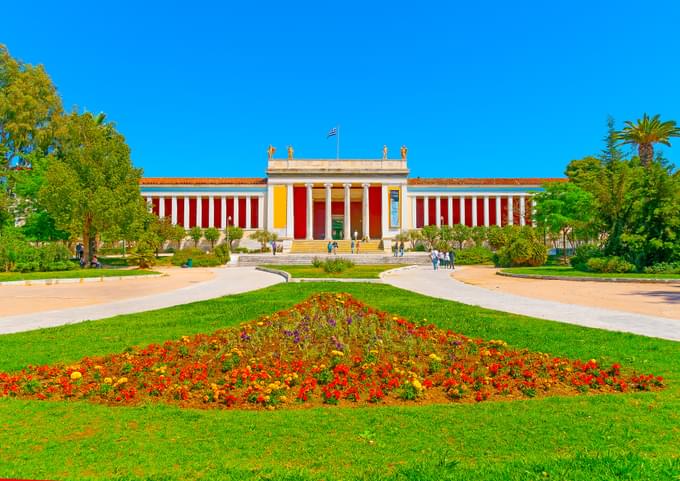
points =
(74, 280)
(283, 274)
(590, 279)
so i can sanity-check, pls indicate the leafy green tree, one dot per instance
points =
(233, 233)
(414, 235)
(91, 186)
(460, 233)
(212, 235)
(264, 237)
(145, 250)
(430, 235)
(478, 235)
(196, 233)
(177, 234)
(496, 237)
(645, 133)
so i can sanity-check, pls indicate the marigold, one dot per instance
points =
(76, 375)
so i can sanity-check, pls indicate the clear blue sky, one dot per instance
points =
(474, 89)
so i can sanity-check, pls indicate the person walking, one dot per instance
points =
(435, 258)
(335, 248)
(329, 247)
(79, 250)
(351, 244)
(401, 249)
(447, 260)
(395, 249)
(273, 247)
(452, 256)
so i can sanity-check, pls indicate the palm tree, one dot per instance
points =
(647, 132)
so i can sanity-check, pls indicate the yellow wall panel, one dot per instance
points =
(280, 206)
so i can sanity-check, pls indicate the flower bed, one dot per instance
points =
(330, 349)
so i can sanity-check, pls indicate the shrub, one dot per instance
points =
(583, 254)
(522, 251)
(474, 255)
(609, 265)
(17, 254)
(664, 268)
(222, 253)
(143, 254)
(337, 265)
(316, 262)
(197, 256)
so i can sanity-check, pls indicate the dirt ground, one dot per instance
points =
(661, 300)
(23, 299)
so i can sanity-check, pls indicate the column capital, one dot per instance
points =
(347, 186)
(328, 186)
(365, 186)
(309, 186)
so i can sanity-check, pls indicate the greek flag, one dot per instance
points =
(332, 132)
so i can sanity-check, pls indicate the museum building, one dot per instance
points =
(341, 199)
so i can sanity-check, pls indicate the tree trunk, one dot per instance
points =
(646, 152)
(86, 243)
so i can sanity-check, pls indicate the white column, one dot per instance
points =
(149, 203)
(498, 212)
(329, 218)
(310, 212)
(438, 211)
(199, 211)
(461, 208)
(522, 210)
(211, 211)
(486, 211)
(249, 220)
(426, 210)
(223, 212)
(161, 207)
(364, 220)
(186, 212)
(348, 226)
(260, 212)
(414, 212)
(173, 207)
(533, 212)
(510, 212)
(450, 210)
(270, 208)
(474, 211)
(290, 218)
(235, 220)
(384, 214)
(404, 207)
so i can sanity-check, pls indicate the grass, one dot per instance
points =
(371, 271)
(76, 274)
(603, 437)
(565, 271)
(125, 261)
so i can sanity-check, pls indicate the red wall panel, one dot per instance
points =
(444, 210)
(300, 212)
(420, 212)
(355, 218)
(217, 203)
(374, 212)
(205, 213)
(192, 212)
(480, 210)
(255, 212)
(432, 213)
(154, 205)
(168, 207)
(242, 212)
(468, 212)
(230, 211)
(180, 211)
(319, 220)
(492, 211)
(456, 210)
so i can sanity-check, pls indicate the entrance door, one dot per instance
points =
(338, 227)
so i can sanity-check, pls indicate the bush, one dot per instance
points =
(337, 265)
(664, 268)
(474, 255)
(609, 265)
(521, 252)
(583, 254)
(316, 262)
(222, 253)
(197, 256)
(18, 255)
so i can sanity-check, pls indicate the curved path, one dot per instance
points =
(225, 281)
(440, 284)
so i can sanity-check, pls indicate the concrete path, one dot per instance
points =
(231, 280)
(440, 284)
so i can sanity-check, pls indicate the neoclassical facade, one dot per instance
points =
(320, 199)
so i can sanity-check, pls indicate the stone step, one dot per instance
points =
(344, 247)
(419, 258)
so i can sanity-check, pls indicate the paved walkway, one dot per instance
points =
(440, 284)
(225, 281)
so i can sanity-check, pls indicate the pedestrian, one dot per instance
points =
(401, 249)
(352, 246)
(79, 250)
(395, 249)
(452, 255)
(273, 247)
(335, 248)
(447, 260)
(329, 247)
(435, 258)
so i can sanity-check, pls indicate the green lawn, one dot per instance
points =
(571, 272)
(590, 437)
(356, 272)
(76, 274)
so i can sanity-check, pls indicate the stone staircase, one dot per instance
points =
(344, 247)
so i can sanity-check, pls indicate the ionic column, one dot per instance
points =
(270, 208)
(310, 212)
(223, 212)
(364, 220)
(248, 214)
(438, 211)
(290, 212)
(260, 212)
(187, 214)
(329, 218)
(499, 213)
(522, 210)
(426, 211)
(199, 211)
(384, 216)
(474, 211)
(511, 214)
(235, 222)
(461, 208)
(348, 226)
(450, 210)
(486, 211)
(161, 207)
(173, 213)
(404, 211)
(211, 211)
(414, 212)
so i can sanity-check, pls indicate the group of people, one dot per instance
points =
(80, 254)
(332, 247)
(398, 249)
(443, 259)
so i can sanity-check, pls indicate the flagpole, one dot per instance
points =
(337, 146)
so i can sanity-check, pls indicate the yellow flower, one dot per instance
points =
(434, 357)
(76, 375)
(417, 385)
(108, 380)
(122, 380)
(338, 353)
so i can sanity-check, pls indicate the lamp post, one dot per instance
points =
(227, 232)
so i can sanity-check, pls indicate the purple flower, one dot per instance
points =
(245, 336)
(331, 322)
(349, 320)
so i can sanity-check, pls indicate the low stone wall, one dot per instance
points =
(418, 258)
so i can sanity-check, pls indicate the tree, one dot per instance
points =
(264, 237)
(177, 234)
(430, 235)
(478, 235)
(460, 233)
(496, 237)
(233, 233)
(414, 235)
(91, 186)
(196, 233)
(212, 235)
(645, 133)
